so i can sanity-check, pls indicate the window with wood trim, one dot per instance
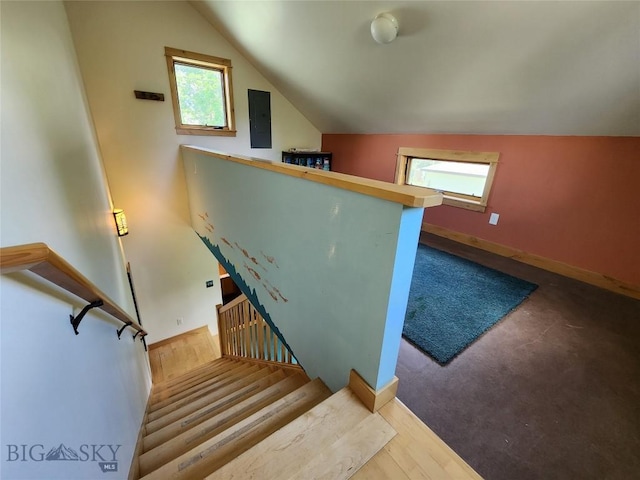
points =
(464, 178)
(202, 93)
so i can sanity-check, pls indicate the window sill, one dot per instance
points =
(206, 131)
(466, 204)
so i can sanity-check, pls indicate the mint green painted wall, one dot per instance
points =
(321, 260)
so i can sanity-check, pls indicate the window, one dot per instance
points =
(464, 178)
(201, 93)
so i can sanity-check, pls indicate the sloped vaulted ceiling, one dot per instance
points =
(554, 68)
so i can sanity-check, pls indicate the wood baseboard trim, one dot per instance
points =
(592, 278)
(177, 337)
(372, 399)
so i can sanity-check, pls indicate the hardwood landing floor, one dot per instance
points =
(415, 452)
(177, 355)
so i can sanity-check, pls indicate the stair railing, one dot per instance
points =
(41, 260)
(244, 334)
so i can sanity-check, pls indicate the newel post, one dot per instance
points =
(221, 336)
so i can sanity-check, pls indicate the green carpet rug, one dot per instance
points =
(453, 301)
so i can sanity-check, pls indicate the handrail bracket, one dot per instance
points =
(75, 321)
(123, 327)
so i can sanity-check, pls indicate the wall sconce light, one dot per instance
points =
(384, 28)
(121, 222)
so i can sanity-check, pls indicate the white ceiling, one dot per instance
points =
(555, 68)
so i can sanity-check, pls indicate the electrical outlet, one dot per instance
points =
(493, 219)
(209, 283)
(179, 321)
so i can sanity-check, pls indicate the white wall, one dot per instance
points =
(56, 387)
(120, 48)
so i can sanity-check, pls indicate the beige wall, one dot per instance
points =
(120, 48)
(58, 387)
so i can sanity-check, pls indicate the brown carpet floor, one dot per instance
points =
(550, 392)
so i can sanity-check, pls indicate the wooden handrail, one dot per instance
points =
(405, 194)
(41, 260)
(239, 299)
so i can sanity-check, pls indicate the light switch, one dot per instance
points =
(493, 219)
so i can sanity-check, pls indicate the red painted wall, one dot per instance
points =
(571, 199)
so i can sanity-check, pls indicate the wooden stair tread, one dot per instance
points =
(159, 396)
(215, 452)
(200, 390)
(187, 405)
(196, 433)
(205, 408)
(343, 458)
(219, 362)
(312, 434)
(167, 396)
(160, 393)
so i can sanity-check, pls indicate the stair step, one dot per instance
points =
(219, 362)
(180, 420)
(223, 379)
(215, 364)
(218, 372)
(347, 455)
(215, 452)
(195, 435)
(160, 394)
(198, 399)
(321, 432)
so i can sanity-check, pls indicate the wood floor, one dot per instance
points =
(415, 452)
(176, 356)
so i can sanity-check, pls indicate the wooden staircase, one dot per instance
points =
(234, 418)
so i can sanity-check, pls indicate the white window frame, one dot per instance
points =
(478, 204)
(193, 59)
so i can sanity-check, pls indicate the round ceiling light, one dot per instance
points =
(384, 28)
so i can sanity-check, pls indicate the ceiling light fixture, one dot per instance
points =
(384, 28)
